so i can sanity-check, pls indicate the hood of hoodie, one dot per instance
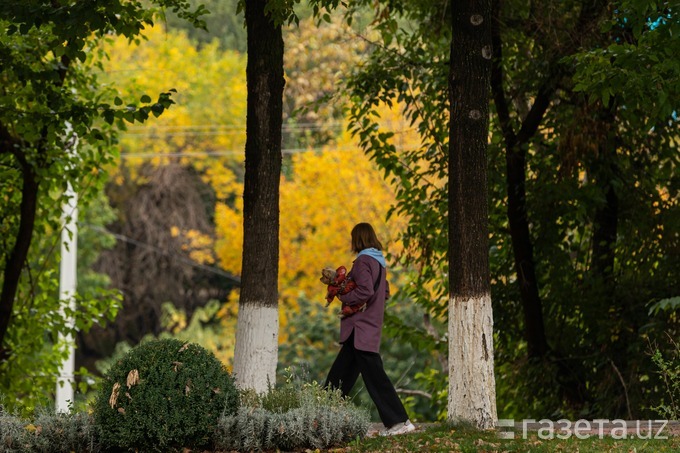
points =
(375, 254)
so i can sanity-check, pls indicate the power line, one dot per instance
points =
(214, 131)
(223, 129)
(292, 126)
(180, 154)
(227, 152)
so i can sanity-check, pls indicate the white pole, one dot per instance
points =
(67, 291)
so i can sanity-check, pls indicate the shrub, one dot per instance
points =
(291, 418)
(11, 432)
(48, 433)
(669, 370)
(163, 394)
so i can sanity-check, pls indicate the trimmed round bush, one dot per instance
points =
(163, 394)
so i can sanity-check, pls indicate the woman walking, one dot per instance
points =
(360, 334)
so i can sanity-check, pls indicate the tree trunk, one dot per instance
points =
(256, 351)
(472, 387)
(17, 258)
(604, 170)
(515, 158)
(522, 248)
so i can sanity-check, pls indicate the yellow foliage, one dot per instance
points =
(176, 320)
(322, 197)
(198, 246)
(317, 57)
(223, 181)
(206, 126)
(220, 339)
(326, 194)
(229, 231)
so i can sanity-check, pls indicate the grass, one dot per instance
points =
(452, 439)
(49, 436)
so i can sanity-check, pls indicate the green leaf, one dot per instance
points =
(108, 116)
(665, 305)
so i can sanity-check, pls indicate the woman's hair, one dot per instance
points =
(363, 237)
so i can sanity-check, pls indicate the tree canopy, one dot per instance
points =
(49, 98)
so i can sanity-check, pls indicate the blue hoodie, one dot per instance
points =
(375, 254)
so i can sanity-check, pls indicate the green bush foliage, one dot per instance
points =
(291, 418)
(164, 394)
(669, 371)
(48, 433)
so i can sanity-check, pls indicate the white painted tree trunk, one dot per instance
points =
(472, 385)
(257, 347)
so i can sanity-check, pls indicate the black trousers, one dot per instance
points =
(345, 371)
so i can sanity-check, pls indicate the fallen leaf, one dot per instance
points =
(482, 442)
(132, 378)
(114, 395)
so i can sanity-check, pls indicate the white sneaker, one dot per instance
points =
(399, 428)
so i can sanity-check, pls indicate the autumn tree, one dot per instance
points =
(318, 56)
(167, 180)
(318, 185)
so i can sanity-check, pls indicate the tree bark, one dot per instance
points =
(605, 223)
(472, 388)
(256, 349)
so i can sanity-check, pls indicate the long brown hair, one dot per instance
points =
(364, 237)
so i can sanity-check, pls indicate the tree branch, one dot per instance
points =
(498, 93)
(415, 392)
(8, 144)
(17, 257)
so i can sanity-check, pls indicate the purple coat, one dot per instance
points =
(367, 325)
